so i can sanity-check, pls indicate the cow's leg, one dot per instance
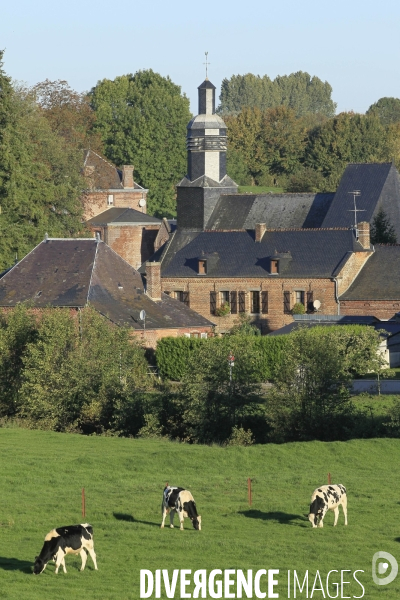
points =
(93, 557)
(84, 558)
(344, 506)
(171, 517)
(163, 514)
(336, 511)
(321, 520)
(60, 561)
(181, 519)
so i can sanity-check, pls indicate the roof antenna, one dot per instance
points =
(355, 210)
(206, 63)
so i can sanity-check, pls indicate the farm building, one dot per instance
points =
(72, 273)
(265, 254)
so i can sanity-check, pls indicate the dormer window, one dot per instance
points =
(202, 267)
(274, 267)
(110, 200)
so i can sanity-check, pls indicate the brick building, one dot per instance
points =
(72, 273)
(262, 254)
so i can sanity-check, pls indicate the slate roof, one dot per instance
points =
(312, 321)
(73, 273)
(123, 216)
(106, 176)
(380, 277)
(378, 184)
(314, 253)
(283, 211)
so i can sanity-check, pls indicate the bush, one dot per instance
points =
(172, 355)
(298, 309)
(240, 437)
(223, 310)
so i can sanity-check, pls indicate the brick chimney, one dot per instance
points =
(363, 235)
(127, 176)
(153, 277)
(260, 230)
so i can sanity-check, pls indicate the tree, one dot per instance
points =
(349, 137)
(142, 120)
(40, 180)
(245, 139)
(386, 109)
(298, 91)
(69, 113)
(284, 139)
(382, 232)
(311, 397)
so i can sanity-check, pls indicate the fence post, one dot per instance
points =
(83, 503)
(249, 490)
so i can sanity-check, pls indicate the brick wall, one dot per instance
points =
(382, 309)
(151, 336)
(134, 243)
(199, 297)
(351, 269)
(95, 203)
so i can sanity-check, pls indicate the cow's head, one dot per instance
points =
(197, 523)
(39, 566)
(316, 510)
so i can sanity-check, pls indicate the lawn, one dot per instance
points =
(42, 474)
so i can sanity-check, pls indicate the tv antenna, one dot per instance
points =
(355, 210)
(206, 63)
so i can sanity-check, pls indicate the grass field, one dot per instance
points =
(42, 474)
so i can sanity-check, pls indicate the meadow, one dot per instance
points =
(42, 475)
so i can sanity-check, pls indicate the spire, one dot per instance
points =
(206, 98)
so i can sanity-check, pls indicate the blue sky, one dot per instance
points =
(351, 44)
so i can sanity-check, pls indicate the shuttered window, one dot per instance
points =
(234, 303)
(242, 302)
(310, 300)
(183, 297)
(264, 302)
(213, 302)
(286, 302)
(255, 302)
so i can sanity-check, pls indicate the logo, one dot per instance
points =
(380, 566)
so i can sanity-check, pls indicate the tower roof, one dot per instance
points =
(207, 84)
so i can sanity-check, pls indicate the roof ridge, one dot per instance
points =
(101, 158)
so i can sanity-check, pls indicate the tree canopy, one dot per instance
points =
(386, 109)
(142, 121)
(298, 91)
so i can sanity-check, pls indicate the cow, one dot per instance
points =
(324, 498)
(176, 499)
(73, 539)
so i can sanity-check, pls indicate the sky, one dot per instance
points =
(351, 44)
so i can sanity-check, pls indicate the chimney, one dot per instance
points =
(127, 176)
(153, 277)
(363, 235)
(260, 230)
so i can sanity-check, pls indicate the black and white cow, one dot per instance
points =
(324, 498)
(178, 500)
(74, 539)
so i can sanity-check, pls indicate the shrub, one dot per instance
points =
(298, 309)
(223, 310)
(240, 437)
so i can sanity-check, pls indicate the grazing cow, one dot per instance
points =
(324, 498)
(74, 539)
(176, 499)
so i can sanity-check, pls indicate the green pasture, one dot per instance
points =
(42, 475)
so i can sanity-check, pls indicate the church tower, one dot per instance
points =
(206, 179)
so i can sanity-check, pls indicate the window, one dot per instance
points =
(203, 335)
(310, 302)
(110, 200)
(182, 297)
(286, 302)
(202, 270)
(299, 297)
(224, 297)
(213, 302)
(233, 303)
(264, 302)
(274, 266)
(242, 302)
(255, 302)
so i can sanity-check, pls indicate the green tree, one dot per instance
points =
(349, 137)
(245, 139)
(386, 109)
(298, 91)
(284, 139)
(142, 120)
(382, 232)
(311, 396)
(40, 181)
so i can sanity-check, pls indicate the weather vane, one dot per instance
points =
(206, 63)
